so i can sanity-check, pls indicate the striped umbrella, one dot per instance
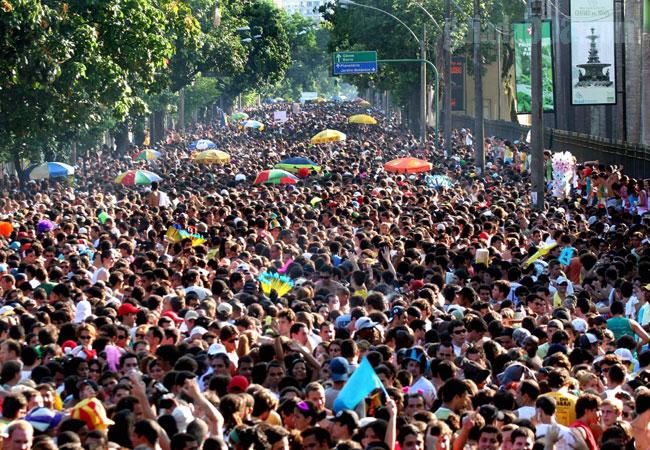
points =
(408, 165)
(256, 125)
(275, 176)
(146, 155)
(202, 144)
(51, 170)
(239, 116)
(212, 157)
(327, 136)
(136, 177)
(297, 163)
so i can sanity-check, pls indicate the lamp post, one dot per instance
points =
(537, 115)
(446, 97)
(423, 70)
(479, 146)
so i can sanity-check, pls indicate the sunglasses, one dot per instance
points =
(121, 336)
(85, 338)
(303, 406)
(460, 331)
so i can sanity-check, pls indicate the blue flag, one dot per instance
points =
(363, 381)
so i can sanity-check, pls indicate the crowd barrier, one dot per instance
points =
(634, 158)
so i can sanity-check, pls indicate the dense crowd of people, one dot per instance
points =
(490, 325)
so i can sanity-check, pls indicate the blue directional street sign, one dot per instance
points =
(345, 63)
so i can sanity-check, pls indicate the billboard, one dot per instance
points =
(593, 60)
(523, 36)
(458, 83)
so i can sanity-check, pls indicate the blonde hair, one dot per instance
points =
(90, 328)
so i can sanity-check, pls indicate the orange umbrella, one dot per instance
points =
(408, 165)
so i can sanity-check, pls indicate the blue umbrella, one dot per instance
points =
(51, 170)
(298, 161)
(202, 144)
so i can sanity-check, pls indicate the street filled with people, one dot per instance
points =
(272, 283)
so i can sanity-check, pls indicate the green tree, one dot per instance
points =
(310, 68)
(73, 68)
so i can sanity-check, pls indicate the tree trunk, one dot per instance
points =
(633, 69)
(121, 133)
(22, 174)
(181, 109)
(158, 126)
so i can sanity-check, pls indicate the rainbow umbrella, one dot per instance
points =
(295, 164)
(137, 177)
(212, 157)
(51, 170)
(327, 136)
(202, 144)
(275, 176)
(239, 116)
(146, 155)
(252, 124)
(408, 165)
(363, 119)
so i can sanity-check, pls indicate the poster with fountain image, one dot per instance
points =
(593, 61)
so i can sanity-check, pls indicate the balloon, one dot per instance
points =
(303, 172)
(6, 228)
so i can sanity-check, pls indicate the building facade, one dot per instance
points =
(306, 8)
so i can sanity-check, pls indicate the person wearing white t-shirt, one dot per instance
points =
(105, 262)
(416, 365)
(191, 280)
(546, 423)
(527, 393)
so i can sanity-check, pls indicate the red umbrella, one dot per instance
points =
(408, 165)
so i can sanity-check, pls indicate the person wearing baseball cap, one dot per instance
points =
(346, 423)
(127, 313)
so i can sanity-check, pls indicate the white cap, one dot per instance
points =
(224, 308)
(243, 267)
(561, 280)
(580, 325)
(624, 354)
(216, 349)
(198, 331)
(364, 322)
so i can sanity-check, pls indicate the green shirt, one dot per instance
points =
(620, 326)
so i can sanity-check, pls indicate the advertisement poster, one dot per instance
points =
(458, 83)
(593, 60)
(523, 37)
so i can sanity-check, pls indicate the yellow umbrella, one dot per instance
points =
(363, 119)
(212, 157)
(327, 136)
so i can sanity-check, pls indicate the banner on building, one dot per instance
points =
(593, 60)
(458, 83)
(523, 37)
